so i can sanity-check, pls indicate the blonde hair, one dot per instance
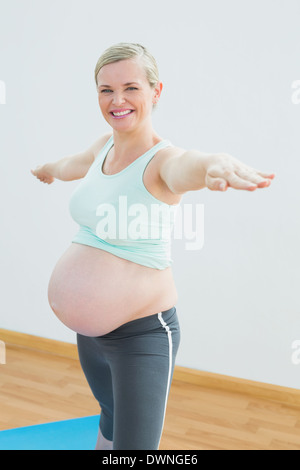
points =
(125, 50)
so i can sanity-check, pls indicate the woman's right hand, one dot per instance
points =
(42, 173)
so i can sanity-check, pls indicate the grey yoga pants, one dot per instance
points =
(130, 371)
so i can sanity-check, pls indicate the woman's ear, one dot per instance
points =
(157, 92)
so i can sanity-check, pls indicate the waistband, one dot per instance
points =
(143, 324)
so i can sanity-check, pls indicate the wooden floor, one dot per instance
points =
(38, 387)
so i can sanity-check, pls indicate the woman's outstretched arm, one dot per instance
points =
(70, 168)
(193, 170)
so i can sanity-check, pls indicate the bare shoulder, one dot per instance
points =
(170, 153)
(165, 161)
(167, 156)
(99, 144)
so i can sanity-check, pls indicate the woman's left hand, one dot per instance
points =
(225, 171)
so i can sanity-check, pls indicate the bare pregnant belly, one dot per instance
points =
(94, 292)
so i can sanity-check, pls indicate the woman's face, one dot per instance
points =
(124, 94)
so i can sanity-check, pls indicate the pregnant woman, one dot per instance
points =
(114, 285)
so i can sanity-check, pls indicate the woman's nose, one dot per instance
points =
(118, 99)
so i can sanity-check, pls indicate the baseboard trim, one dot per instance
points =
(288, 396)
(37, 343)
(284, 395)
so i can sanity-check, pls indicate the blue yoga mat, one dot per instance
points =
(73, 434)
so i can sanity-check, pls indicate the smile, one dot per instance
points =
(121, 114)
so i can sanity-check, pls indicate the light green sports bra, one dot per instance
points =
(117, 214)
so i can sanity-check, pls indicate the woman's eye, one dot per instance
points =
(106, 90)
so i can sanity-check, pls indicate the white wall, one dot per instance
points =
(227, 68)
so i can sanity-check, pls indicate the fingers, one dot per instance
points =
(238, 180)
(43, 179)
(226, 171)
(216, 184)
(253, 178)
(248, 171)
(267, 175)
(232, 180)
(261, 173)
